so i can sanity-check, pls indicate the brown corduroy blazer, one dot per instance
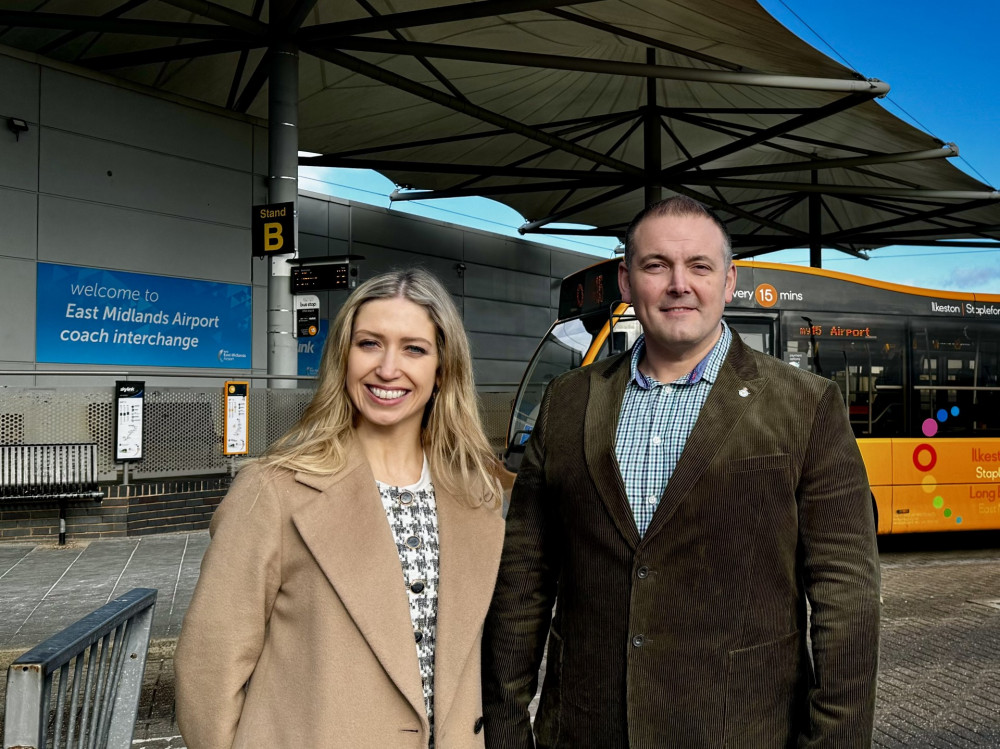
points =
(299, 631)
(695, 634)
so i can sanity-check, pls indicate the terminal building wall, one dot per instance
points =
(113, 176)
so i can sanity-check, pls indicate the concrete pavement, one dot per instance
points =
(939, 682)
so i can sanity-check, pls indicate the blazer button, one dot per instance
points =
(642, 573)
(638, 641)
(418, 636)
(479, 725)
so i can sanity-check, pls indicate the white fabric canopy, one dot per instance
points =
(568, 111)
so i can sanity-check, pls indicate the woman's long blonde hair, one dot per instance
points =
(452, 434)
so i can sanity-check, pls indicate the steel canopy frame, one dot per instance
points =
(570, 111)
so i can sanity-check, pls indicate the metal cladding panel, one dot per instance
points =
(80, 105)
(497, 373)
(17, 300)
(313, 216)
(488, 316)
(564, 263)
(19, 219)
(506, 285)
(339, 222)
(90, 169)
(504, 252)
(517, 348)
(19, 158)
(19, 89)
(79, 233)
(313, 245)
(381, 259)
(374, 226)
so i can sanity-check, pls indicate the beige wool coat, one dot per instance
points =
(299, 630)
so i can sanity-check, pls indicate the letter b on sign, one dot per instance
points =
(273, 241)
(272, 229)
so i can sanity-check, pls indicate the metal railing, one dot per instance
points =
(80, 688)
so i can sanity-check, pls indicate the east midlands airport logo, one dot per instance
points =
(226, 356)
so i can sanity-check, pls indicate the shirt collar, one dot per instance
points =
(707, 369)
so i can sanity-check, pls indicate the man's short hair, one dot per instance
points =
(679, 205)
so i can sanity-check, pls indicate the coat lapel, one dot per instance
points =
(471, 542)
(345, 529)
(719, 417)
(607, 389)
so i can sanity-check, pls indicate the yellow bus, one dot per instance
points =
(918, 370)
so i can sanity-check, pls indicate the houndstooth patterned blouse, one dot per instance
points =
(412, 515)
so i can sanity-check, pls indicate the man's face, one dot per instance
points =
(678, 283)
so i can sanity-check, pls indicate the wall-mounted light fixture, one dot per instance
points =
(17, 127)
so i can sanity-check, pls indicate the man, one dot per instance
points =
(686, 500)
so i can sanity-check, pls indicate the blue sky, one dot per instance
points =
(941, 63)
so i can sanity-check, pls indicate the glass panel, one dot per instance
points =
(562, 350)
(864, 356)
(955, 365)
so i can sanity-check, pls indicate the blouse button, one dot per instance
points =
(417, 586)
(418, 636)
(405, 498)
(413, 542)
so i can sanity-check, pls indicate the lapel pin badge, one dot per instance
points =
(744, 392)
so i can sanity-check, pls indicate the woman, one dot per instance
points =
(342, 596)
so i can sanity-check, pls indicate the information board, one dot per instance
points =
(129, 397)
(237, 396)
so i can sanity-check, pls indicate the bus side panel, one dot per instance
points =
(946, 484)
(877, 454)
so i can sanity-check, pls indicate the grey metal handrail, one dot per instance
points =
(107, 652)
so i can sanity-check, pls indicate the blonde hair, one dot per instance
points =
(452, 434)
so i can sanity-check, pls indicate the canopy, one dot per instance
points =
(570, 111)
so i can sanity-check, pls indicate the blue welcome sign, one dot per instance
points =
(96, 316)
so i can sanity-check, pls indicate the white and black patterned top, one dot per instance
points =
(412, 515)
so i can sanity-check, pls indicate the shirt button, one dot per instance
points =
(651, 499)
(417, 587)
(656, 440)
(642, 573)
(667, 389)
(418, 636)
(638, 641)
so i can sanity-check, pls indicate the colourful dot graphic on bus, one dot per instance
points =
(924, 457)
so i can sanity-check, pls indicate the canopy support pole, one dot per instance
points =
(815, 226)
(283, 187)
(652, 159)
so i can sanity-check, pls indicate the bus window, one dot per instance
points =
(864, 356)
(955, 366)
(756, 332)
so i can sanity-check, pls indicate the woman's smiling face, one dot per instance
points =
(392, 364)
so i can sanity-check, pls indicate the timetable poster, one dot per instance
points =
(237, 418)
(128, 423)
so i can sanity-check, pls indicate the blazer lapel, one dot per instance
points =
(471, 542)
(345, 529)
(737, 386)
(607, 389)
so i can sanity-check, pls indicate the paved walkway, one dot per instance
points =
(939, 683)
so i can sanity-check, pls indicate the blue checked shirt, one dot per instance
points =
(654, 425)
